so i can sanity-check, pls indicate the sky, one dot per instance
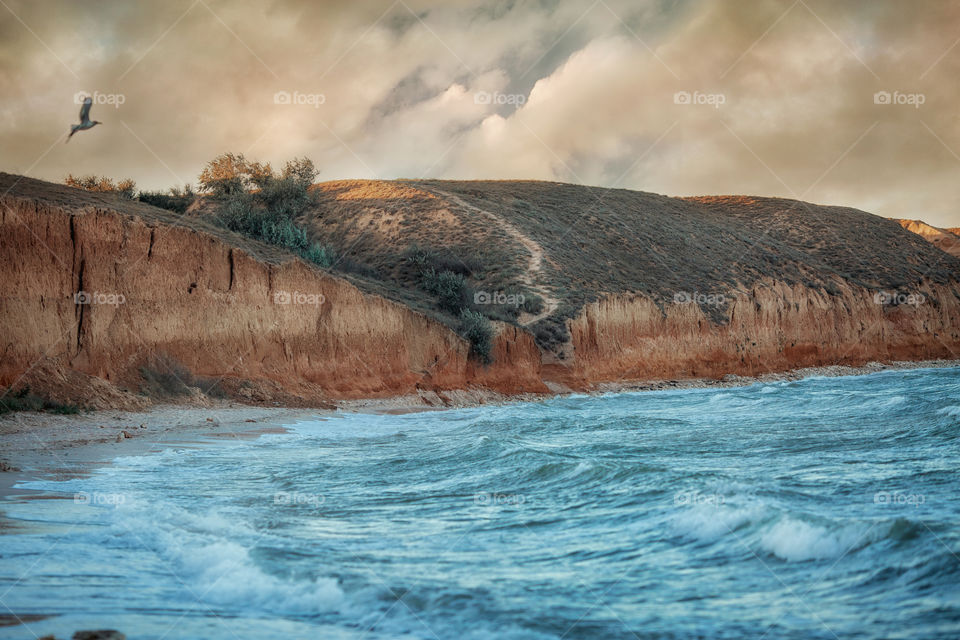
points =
(848, 102)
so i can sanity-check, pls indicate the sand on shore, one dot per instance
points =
(34, 444)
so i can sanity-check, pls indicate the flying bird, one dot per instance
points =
(85, 122)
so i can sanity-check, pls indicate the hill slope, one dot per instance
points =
(618, 285)
(946, 239)
(574, 245)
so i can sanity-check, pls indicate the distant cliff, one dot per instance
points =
(95, 291)
(946, 239)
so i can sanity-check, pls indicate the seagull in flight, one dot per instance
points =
(85, 122)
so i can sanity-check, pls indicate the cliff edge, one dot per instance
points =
(102, 297)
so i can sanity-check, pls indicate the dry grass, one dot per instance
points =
(597, 241)
(594, 241)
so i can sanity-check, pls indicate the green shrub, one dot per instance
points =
(422, 259)
(416, 258)
(21, 400)
(239, 214)
(177, 203)
(532, 303)
(449, 288)
(24, 400)
(301, 171)
(284, 197)
(320, 255)
(282, 232)
(267, 214)
(478, 331)
(62, 409)
(503, 313)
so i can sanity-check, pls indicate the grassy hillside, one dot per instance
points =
(594, 241)
(441, 246)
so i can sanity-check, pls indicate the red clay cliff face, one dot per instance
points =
(93, 288)
(770, 329)
(219, 311)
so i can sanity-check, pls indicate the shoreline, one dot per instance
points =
(793, 375)
(37, 445)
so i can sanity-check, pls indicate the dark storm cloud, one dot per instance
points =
(577, 91)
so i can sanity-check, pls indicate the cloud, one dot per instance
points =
(781, 93)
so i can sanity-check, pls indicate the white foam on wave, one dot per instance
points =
(709, 522)
(796, 540)
(892, 401)
(150, 460)
(223, 573)
(953, 411)
(220, 570)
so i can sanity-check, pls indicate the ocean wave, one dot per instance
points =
(892, 401)
(222, 571)
(147, 461)
(797, 540)
(708, 523)
(952, 410)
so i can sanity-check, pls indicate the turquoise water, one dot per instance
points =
(824, 508)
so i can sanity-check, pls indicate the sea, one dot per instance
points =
(818, 508)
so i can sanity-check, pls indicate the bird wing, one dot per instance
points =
(85, 109)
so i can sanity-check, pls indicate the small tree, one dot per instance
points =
(259, 174)
(225, 175)
(302, 171)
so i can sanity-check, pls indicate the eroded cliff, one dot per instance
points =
(100, 292)
(770, 328)
(96, 289)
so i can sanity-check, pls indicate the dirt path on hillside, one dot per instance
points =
(534, 264)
